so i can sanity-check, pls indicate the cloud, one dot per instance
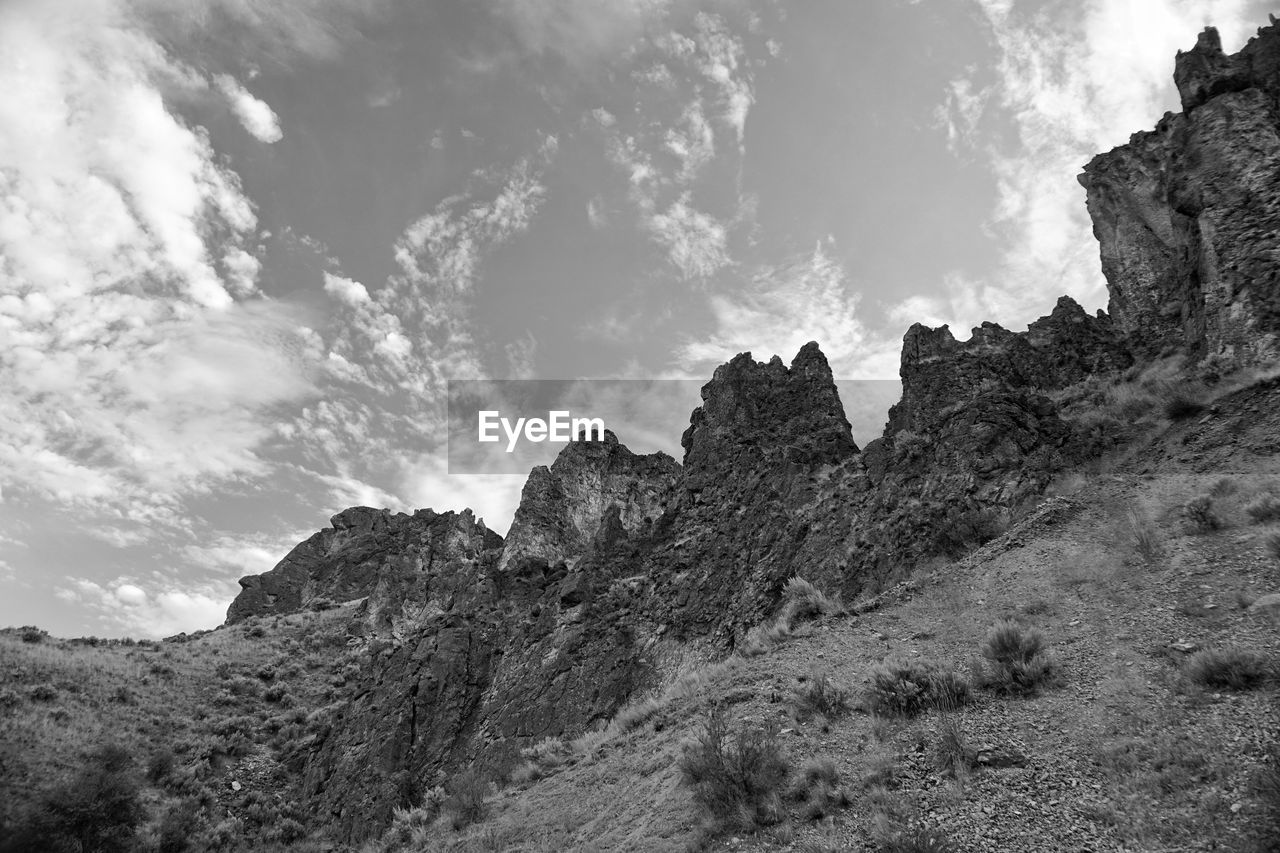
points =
(254, 114)
(134, 336)
(695, 242)
(784, 307)
(1071, 81)
(151, 609)
(581, 31)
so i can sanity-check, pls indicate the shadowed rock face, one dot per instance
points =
(353, 557)
(1188, 215)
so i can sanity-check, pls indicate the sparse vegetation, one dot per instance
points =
(738, 776)
(1230, 667)
(98, 809)
(817, 788)
(1264, 509)
(819, 695)
(901, 687)
(952, 754)
(1200, 515)
(1016, 659)
(1144, 536)
(464, 803)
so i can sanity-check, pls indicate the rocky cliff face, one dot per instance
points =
(1188, 215)
(619, 567)
(357, 556)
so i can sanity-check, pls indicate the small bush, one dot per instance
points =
(464, 803)
(1232, 668)
(42, 693)
(804, 601)
(818, 787)
(736, 777)
(1200, 515)
(952, 753)
(32, 634)
(901, 687)
(819, 695)
(1145, 536)
(1017, 661)
(1272, 545)
(761, 638)
(160, 765)
(99, 809)
(1265, 508)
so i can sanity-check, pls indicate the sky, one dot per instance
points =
(245, 244)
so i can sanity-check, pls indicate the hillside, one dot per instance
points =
(1038, 613)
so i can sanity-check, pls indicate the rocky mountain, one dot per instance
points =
(1188, 215)
(620, 571)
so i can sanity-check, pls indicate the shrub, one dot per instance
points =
(32, 634)
(819, 695)
(180, 822)
(1273, 545)
(42, 693)
(1145, 536)
(804, 601)
(952, 754)
(1017, 661)
(1233, 668)
(901, 687)
(736, 777)
(1200, 516)
(160, 765)
(1265, 508)
(99, 809)
(464, 801)
(818, 788)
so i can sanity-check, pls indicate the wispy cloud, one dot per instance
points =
(784, 307)
(133, 330)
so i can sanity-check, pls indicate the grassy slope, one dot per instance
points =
(230, 704)
(1124, 753)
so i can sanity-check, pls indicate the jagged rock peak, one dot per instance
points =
(769, 408)
(349, 559)
(1188, 216)
(562, 507)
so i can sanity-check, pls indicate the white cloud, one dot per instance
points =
(134, 369)
(151, 609)
(255, 116)
(696, 243)
(781, 310)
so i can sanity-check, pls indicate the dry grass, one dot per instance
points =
(1017, 661)
(901, 687)
(1228, 667)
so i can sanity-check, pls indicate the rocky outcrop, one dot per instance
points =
(364, 551)
(939, 372)
(1188, 215)
(563, 506)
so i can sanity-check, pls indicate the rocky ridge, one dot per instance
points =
(619, 569)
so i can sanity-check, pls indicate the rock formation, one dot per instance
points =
(619, 567)
(1188, 215)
